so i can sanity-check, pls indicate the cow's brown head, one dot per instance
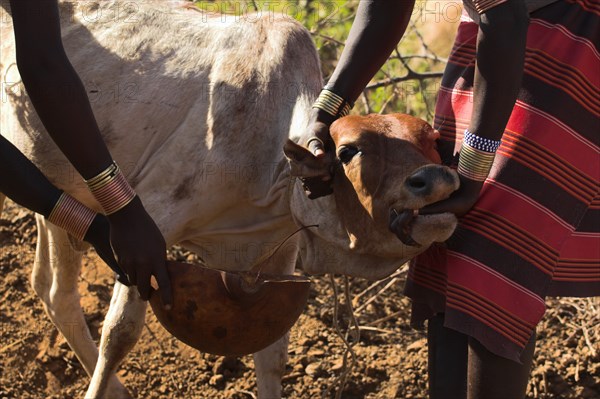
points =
(386, 165)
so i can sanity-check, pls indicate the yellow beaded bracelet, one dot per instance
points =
(475, 164)
(333, 104)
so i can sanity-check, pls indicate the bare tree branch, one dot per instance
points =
(411, 75)
(422, 57)
(328, 38)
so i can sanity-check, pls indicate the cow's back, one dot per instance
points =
(195, 108)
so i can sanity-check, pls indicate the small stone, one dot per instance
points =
(316, 352)
(417, 344)
(217, 380)
(313, 369)
(298, 367)
(338, 365)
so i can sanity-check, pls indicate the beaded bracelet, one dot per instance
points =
(72, 215)
(481, 143)
(477, 156)
(333, 104)
(111, 189)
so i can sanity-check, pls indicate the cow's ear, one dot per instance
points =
(303, 163)
(428, 141)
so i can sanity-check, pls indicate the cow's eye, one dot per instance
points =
(346, 153)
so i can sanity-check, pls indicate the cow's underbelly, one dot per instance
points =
(245, 247)
(228, 225)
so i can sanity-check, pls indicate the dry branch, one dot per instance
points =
(7, 347)
(411, 75)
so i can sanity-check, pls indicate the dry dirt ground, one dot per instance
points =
(390, 356)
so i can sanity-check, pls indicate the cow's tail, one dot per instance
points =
(2, 198)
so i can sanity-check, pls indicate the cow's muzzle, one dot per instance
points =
(431, 183)
(427, 185)
(401, 224)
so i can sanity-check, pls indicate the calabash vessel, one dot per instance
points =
(230, 313)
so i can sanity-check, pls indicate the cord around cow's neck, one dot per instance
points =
(260, 262)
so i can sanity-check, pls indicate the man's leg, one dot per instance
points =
(447, 360)
(494, 377)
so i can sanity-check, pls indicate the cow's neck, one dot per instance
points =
(233, 234)
(328, 249)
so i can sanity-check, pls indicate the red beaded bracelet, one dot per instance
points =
(72, 215)
(111, 189)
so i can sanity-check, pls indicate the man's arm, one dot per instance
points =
(376, 30)
(498, 74)
(23, 182)
(54, 87)
(499, 68)
(62, 104)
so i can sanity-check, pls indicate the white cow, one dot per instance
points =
(196, 110)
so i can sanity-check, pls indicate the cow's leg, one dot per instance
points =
(54, 279)
(269, 364)
(122, 328)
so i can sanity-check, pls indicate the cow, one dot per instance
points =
(205, 115)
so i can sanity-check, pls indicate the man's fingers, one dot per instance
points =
(110, 260)
(452, 205)
(121, 278)
(144, 290)
(164, 284)
(316, 187)
(130, 271)
(437, 207)
(401, 225)
(143, 286)
(316, 146)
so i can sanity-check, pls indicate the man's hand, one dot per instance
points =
(460, 202)
(319, 142)
(98, 235)
(321, 145)
(140, 249)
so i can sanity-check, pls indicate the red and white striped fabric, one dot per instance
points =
(535, 230)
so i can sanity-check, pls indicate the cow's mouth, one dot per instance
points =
(401, 224)
(408, 221)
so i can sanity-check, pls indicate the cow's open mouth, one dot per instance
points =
(401, 224)
(408, 221)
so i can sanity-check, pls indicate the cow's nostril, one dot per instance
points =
(416, 182)
(419, 183)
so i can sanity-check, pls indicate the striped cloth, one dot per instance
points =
(534, 232)
(473, 8)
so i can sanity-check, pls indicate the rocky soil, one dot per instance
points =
(390, 357)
